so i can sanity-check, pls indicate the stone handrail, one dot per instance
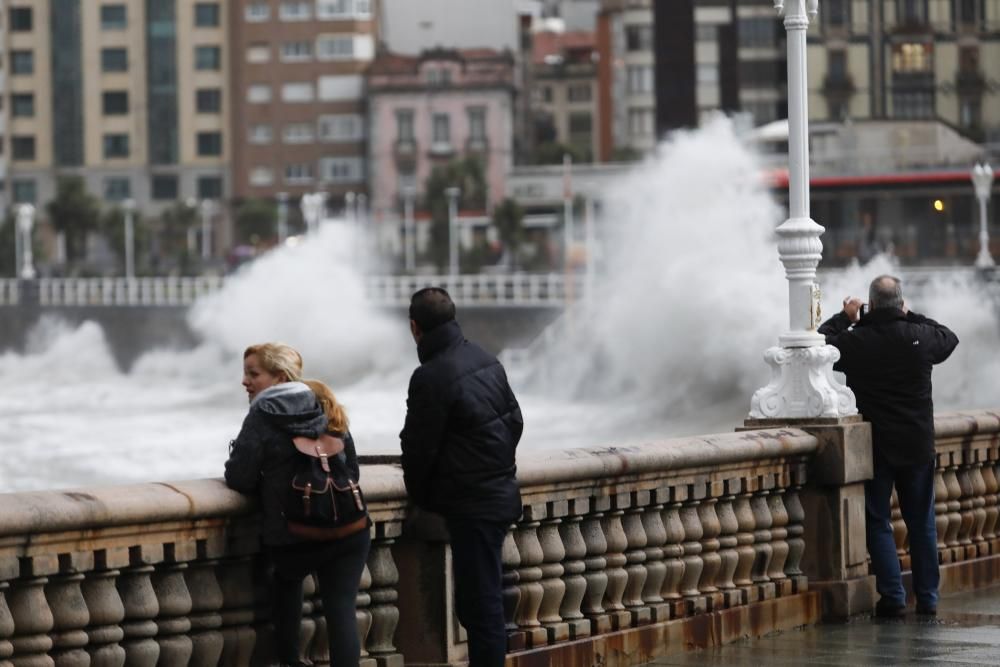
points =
(610, 539)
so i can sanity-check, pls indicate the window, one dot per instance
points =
(580, 128)
(911, 12)
(257, 12)
(441, 128)
(913, 104)
(335, 47)
(25, 191)
(299, 172)
(114, 60)
(296, 51)
(477, 123)
(117, 189)
(914, 57)
(640, 122)
(261, 176)
(341, 169)
(113, 17)
(709, 32)
(639, 38)
(341, 127)
(207, 57)
(404, 125)
(294, 11)
(580, 92)
(968, 11)
(297, 92)
(342, 87)
(164, 186)
(206, 14)
(22, 148)
(208, 100)
(115, 102)
(298, 133)
(209, 143)
(837, 65)
(260, 134)
(707, 73)
(258, 52)
(438, 76)
(259, 93)
(757, 31)
(837, 13)
(209, 187)
(970, 112)
(22, 105)
(343, 9)
(115, 146)
(547, 94)
(20, 19)
(22, 62)
(640, 79)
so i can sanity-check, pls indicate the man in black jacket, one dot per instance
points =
(887, 355)
(462, 427)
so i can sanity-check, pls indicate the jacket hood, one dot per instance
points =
(438, 339)
(291, 407)
(881, 316)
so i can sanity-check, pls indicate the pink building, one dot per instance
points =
(429, 109)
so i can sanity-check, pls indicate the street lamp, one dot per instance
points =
(312, 208)
(207, 209)
(409, 229)
(590, 243)
(282, 217)
(128, 206)
(452, 193)
(567, 208)
(25, 221)
(982, 179)
(802, 385)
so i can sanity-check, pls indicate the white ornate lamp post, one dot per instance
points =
(282, 217)
(25, 221)
(128, 206)
(312, 209)
(802, 385)
(452, 194)
(982, 179)
(409, 230)
(207, 209)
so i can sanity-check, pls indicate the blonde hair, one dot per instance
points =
(277, 359)
(335, 414)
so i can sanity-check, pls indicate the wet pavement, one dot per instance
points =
(965, 632)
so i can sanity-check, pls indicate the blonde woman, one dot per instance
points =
(261, 462)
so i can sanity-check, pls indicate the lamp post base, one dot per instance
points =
(802, 385)
(984, 260)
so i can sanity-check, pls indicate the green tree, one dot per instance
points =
(257, 219)
(172, 237)
(74, 212)
(7, 252)
(508, 217)
(466, 174)
(552, 152)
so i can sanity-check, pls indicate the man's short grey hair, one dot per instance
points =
(885, 292)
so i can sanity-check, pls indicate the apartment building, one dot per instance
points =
(128, 94)
(434, 107)
(908, 59)
(4, 104)
(299, 109)
(564, 90)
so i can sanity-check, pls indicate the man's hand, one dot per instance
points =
(852, 308)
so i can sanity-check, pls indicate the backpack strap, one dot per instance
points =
(322, 448)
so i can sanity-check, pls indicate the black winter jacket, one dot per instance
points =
(261, 458)
(887, 358)
(461, 431)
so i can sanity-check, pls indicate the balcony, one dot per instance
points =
(405, 152)
(970, 82)
(442, 149)
(477, 146)
(838, 85)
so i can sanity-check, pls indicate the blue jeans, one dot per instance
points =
(915, 490)
(478, 572)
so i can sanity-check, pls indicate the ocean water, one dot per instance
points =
(691, 294)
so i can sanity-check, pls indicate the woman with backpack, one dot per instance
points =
(290, 421)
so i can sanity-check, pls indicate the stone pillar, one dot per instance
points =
(835, 554)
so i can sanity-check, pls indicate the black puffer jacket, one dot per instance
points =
(887, 358)
(261, 457)
(462, 428)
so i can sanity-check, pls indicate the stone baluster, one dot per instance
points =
(529, 578)
(573, 568)
(779, 543)
(611, 524)
(635, 559)
(745, 553)
(553, 586)
(362, 615)
(656, 568)
(106, 610)
(141, 608)
(899, 535)
(951, 539)
(384, 596)
(762, 548)
(673, 552)
(173, 625)
(33, 619)
(595, 573)
(728, 557)
(312, 627)
(69, 618)
(941, 513)
(980, 547)
(965, 510)
(206, 603)
(711, 561)
(511, 559)
(796, 542)
(6, 626)
(693, 564)
(990, 506)
(239, 636)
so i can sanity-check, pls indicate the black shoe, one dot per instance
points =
(885, 609)
(926, 610)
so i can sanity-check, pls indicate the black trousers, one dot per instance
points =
(478, 570)
(338, 566)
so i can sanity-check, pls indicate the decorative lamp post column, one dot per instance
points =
(349, 211)
(982, 179)
(128, 206)
(590, 244)
(802, 385)
(282, 217)
(452, 194)
(25, 221)
(409, 229)
(207, 208)
(567, 207)
(311, 205)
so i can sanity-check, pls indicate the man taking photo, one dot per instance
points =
(887, 354)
